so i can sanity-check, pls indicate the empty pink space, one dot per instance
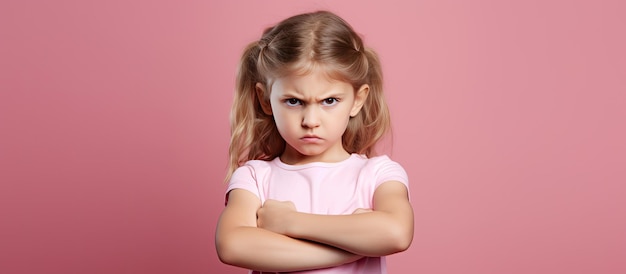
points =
(508, 117)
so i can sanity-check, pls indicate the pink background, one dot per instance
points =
(509, 118)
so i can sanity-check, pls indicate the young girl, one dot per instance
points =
(305, 192)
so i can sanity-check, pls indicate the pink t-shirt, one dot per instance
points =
(323, 188)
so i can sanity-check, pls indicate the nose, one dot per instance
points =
(311, 117)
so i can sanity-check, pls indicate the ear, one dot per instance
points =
(359, 99)
(265, 103)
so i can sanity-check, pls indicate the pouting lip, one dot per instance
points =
(311, 136)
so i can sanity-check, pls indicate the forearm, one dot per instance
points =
(368, 234)
(263, 250)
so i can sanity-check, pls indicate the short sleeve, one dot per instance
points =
(244, 177)
(388, 170)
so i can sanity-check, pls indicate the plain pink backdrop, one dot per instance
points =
(509, 117)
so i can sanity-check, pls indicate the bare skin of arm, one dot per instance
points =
(241, 243)
(385, 230)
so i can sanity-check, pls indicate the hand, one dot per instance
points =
(361, 210)
(274, 215)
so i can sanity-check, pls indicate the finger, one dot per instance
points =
(361, 210)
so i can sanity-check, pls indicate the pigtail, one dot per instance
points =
(379, 117)
(373, 121)
(254, 135)
(243, 111)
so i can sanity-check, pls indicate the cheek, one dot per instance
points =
(343, 117)
(344, 125)
(284, 120)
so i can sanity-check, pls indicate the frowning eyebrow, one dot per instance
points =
(299, 96)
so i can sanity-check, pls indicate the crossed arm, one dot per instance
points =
(282, 239)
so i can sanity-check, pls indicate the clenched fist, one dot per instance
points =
(275, 215)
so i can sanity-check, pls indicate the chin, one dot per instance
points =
(310, 152)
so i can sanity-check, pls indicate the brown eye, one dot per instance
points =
(330, 101)
(292, 102)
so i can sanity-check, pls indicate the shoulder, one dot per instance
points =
(386, 170)
(380, 159)
(251, 168)
(258, 163)
(250, 173)
(248, 176)
(383, 162)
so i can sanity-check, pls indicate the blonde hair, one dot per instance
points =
(296, 45)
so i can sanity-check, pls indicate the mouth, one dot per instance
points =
(309, 138)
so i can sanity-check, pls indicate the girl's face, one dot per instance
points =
(311, 113)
